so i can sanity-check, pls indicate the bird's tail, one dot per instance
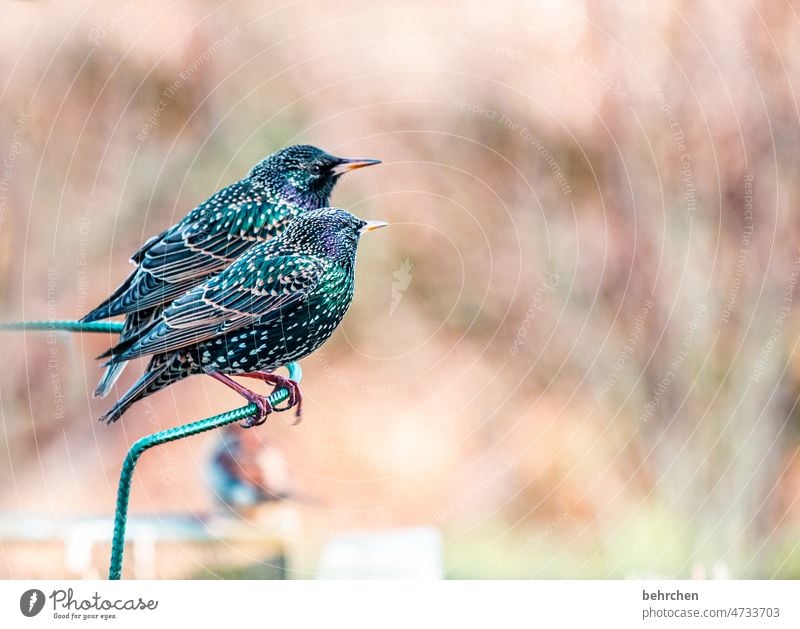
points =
(134, 323)
(110, 376)
(157, 376)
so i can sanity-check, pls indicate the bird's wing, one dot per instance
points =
(253, 289)
(138, 256)
(202, 244)
(216, 232)
(196, 245)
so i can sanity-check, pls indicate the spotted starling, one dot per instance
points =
(219, 230)
(276, 303)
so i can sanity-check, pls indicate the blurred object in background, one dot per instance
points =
(392, 554)
(166, 546)
(245, 471)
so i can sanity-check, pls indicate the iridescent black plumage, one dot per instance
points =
(275, 304)
(293, 180)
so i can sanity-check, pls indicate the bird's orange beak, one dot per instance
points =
(371, 226)
(345, 165)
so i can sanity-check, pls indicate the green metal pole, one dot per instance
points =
(165, 436)
(145, 443)
(65, 326)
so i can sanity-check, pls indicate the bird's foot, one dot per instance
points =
(264, 409)
(295, 399)
(261, 402)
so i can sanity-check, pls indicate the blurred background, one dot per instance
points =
(574, 354)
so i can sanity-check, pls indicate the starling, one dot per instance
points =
(291, 181)
(275, 304)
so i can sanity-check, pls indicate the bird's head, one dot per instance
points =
(305, 173)
(330, 232)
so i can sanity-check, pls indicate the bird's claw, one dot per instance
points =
(264, 409)
(295, 399)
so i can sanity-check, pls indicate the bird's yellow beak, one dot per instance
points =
(346, 165)
(372, 226)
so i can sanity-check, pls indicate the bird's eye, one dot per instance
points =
(315, 169)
